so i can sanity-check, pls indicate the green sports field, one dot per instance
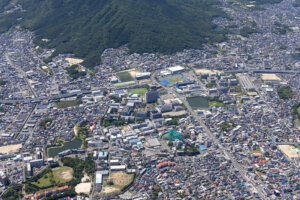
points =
(125, 76)
(140, 91)
(124, 84)
(175, 79)
(56, 176)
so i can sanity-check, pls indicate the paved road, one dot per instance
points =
(21, 72)
(237, 166)
(264, 71)
(60, 96)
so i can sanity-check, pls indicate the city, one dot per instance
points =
(222, 122)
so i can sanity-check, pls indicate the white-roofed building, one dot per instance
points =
(143, 75)
(176, 69)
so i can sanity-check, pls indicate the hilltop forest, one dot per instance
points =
(87, 27)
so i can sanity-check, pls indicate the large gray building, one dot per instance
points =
(152, 96)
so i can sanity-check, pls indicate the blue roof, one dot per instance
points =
(201, 147)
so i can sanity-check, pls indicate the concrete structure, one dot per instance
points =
(37, 163)
(29, 170)
(152, 96)
(153, 143)
(176, 69)
(118, 168)
(99, 180)
(246, 83)
(144, 75)
(3, 178)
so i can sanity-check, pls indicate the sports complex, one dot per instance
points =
(171, 80)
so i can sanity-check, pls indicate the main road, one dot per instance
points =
(21, 72)
(236, 165)
(60, 96)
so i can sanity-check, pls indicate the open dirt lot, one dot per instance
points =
(178, 113)
(121, 178)
(175, 99)
(44, 67)
(289, 150)
(83, 188)
(63, 173)
(110, 189)
(85, 178)
(205, 71)
(74, 61)
(133, 72)
(10, 148)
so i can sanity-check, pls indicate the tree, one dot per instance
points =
(285, 92)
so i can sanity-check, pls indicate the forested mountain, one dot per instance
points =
(87, 27)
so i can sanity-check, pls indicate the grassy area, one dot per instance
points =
(66, 104)
(75, 71)
(46, 181)
(13, 192)
(175, 79)
(62, 174)
(140, 91)
(198, 102)
(211, 85)
(296, 111)
(125, 76)
(215, 103)
(54, 177)
(124, 83)
(46, 122)
(285, 92)
(226, 125)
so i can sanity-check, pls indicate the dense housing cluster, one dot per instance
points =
(217, 123)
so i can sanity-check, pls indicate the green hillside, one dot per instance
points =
(87, 27)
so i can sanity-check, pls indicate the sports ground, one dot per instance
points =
(171, 80)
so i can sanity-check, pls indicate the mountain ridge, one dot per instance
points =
(87, 27)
